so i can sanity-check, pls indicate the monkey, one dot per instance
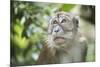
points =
(65, 44)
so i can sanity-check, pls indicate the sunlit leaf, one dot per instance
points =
(67, 7)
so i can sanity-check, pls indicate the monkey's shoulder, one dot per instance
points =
(82, 41)
(81, 38)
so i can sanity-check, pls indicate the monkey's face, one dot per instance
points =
(62, 28)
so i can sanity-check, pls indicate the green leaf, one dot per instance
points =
(67, 7)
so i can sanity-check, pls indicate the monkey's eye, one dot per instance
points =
(63, 21)
(55, 22)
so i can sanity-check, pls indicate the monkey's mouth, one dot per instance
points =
(59, 40)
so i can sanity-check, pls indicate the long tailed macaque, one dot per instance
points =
(65, 44)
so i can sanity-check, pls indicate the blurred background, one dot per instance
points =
(28, 28)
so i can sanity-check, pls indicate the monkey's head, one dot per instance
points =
(62, 29)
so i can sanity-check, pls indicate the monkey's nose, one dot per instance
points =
(56, 30)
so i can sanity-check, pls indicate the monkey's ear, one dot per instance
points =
(50, 27)
(49, 31)
(76, 21)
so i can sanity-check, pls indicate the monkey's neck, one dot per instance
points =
(64, 55)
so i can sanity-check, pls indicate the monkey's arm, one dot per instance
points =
(46, 56)
(84, 47)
